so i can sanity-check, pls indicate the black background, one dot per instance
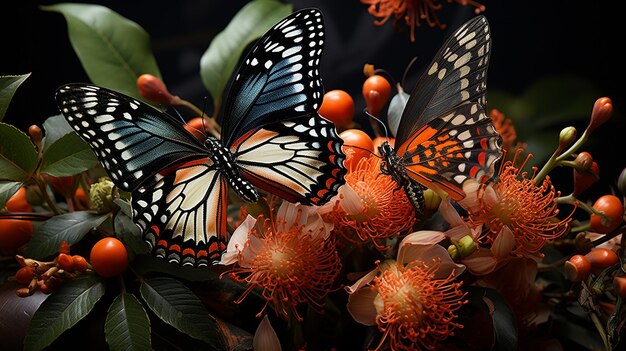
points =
(531, 41)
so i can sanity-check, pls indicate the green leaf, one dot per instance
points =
(7, 189)
(130, 233)
(8, 86)
(18, 157)
(113, 50)
(70, 227)
(127, 326)
(69, 303)
(502, 317)
(176, 305)
(252, 21)
(55, 127)
(68, 155)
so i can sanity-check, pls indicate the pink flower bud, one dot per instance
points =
(602, 112)
(153, 89)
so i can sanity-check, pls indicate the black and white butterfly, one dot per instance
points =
(272, 138)
(443, 136)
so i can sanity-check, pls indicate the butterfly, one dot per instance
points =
(272, 138)
(443, 136)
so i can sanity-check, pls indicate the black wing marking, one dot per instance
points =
(457, 74)
(132, 140)
(279, 79)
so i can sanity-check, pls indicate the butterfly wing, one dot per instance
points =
(457, 74)
(178, 194)
(183, 213)
(271, 123)
(132, 140)
(444, 136)
(449, 149)
(279, 79)
(299, 160)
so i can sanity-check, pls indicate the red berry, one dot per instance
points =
(25, 274)
(109, 257)
(602, 258)
(577, 268)
(376, 92)
(80, 263)
(613, 208)
(65, 262)
(338, 107)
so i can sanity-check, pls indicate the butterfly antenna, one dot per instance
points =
(407, 69)
(379, 122)
(179, 115)
(203, 114)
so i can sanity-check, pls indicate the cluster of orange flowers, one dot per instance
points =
(293, 255)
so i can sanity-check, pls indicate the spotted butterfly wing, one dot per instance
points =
(179, 185)
(444, 136)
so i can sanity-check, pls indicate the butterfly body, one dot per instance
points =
(225, 162)
(443, 136)
(393, 165)
(272, 139)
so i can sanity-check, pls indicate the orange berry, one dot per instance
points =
(18, 203)
(613, 208)
(80, 263)
(25, 274)
(602, 258)
(65, 262)
(13, 234)
(577, 268)
(338, 107)
(376, 92)
(109, 257)
(356, 145)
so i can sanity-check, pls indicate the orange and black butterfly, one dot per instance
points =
(444, 137)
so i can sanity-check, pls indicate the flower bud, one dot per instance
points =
(102, 194)
(583, 161)
(583, 180)
(602, 112)
(376, 92)
(153, 89)
(368, 70)
(35, 134)
(567, 137)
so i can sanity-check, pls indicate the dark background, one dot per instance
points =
(531, 41)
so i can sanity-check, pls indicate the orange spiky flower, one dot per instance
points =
(413, 300)
(291, 258)
(516, 207)
(371, 206)
(412, 11)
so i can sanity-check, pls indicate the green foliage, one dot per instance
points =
(113, 50)
(176, 305)
(8, 86)
(70, 303)
(69, 227)
(219, 61)
(18, 157)
(68, 155)
(127, 326)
